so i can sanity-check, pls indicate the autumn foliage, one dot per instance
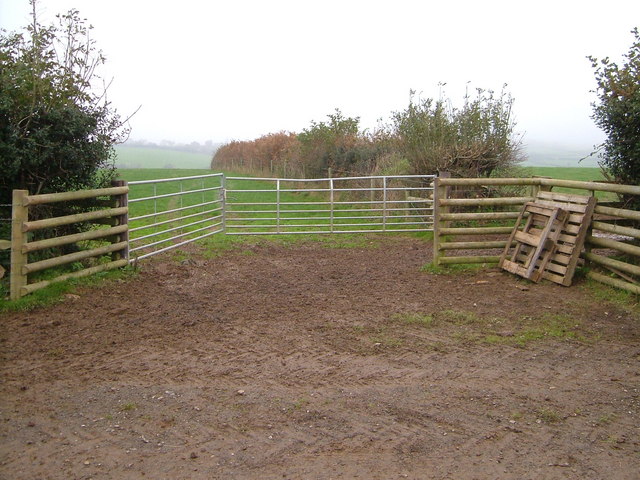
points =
(273, 154)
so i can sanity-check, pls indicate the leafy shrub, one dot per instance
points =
(617, 112)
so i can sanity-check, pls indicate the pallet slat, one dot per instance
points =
(551, 266)
(561, 258)
(528, 238)
(569, 207)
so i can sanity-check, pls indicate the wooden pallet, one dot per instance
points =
(536, 242)
(563, 262)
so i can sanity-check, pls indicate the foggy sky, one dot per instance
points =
(224, 70)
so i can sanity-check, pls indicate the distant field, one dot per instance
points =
(568, 173)
(545, 154)
(135, 174)
(142, 157)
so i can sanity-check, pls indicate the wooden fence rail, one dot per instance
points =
(469, 227)
(116, 215)
(470, 230)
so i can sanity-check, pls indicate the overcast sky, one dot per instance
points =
(237, 69)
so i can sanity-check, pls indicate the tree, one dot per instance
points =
(473, 141)
(57, 130)
(330, 144)
(617, 112)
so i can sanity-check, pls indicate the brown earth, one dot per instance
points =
(307, 361)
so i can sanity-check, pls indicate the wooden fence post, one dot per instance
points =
(445, 193)
(439, 193)
(540, 188)
(19, 215)
(436, 221)
(534, 190)
(122, 200)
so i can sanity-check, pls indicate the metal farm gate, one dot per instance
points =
(170, 212)
(167, 213)
(267, 206)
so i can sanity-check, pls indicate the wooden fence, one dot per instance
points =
(474, 217)
(114, 215)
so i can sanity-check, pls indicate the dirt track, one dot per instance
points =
(316, 362)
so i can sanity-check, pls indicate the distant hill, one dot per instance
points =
(155, 157)
(542, 154)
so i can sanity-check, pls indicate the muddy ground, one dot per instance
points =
(310, 361)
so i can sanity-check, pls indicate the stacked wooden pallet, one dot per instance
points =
(549, 244)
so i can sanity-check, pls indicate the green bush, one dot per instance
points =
(617, 112)
(475, 140)
(56, 134)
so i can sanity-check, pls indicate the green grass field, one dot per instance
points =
(589, 174)
(133, 174)
(159, 158)
(263, 215)
(583, 174)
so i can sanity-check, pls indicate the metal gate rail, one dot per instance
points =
(268, 206)
(183, 209)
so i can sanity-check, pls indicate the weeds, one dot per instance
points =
(128, 407)
(516, 416)
(626, 301)
(459, 317)
(452, 269)
(300, 403)
(606, 419)
(383, 339)
(180, 256)
(469, 327)
(548, 416)
(554, 326)
(414, 319)
(386, 341)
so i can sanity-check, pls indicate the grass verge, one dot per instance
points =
(468, 327)
(55, 292)
(623, 299)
